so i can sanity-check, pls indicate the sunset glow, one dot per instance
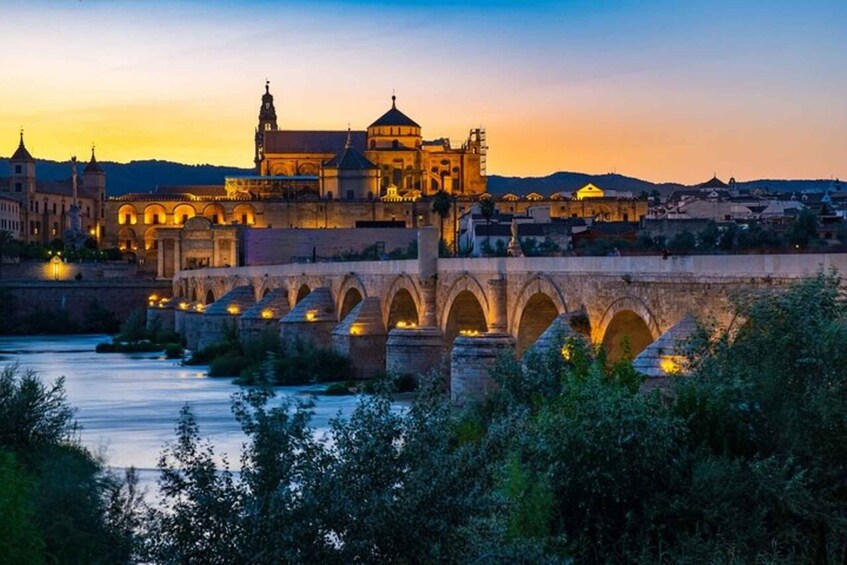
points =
(666, 91)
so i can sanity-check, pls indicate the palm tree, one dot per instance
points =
(441, 205)
(487, 209)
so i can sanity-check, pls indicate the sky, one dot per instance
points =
(665, 91)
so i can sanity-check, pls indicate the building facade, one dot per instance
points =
(45, 207)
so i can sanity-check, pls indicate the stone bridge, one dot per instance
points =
(407, 315)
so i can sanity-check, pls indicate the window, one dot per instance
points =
(350, 195)
(267, 127)
(18, 187)
(184, 218)
(127, 218)
(155, 218)
(18, 169)
(244, 219)
(625, 217)
(215, 219)
(54, 208)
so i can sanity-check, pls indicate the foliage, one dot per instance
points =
(57, 502)
(803, 231)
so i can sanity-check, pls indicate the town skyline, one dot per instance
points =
(558, 87)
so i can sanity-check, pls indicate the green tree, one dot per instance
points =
(803, 230)
(441, 205)
(487, 209)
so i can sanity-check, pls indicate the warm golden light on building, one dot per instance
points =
(567, 351)
(267, 314)
(199, 307)
(405, 325)
(233, 309)
(183, 305)
(671, 364)
(355, 329)
(469, 333)
(311, 315)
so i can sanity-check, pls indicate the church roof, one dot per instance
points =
(304, 141)
(22, 154)
(350, 159)
(92, 166)
(394, 117)
(714, 182)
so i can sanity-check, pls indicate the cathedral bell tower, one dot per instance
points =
(267, 122)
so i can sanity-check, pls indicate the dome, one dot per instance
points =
(394, 117)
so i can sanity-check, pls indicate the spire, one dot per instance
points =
(393, 99)
(92, 166)
(21, 154)
(267, 86)
(349, 142)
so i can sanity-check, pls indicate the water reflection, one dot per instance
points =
(127, 404)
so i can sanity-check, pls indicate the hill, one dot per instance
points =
(144, 176)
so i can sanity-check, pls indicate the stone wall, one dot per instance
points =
(47, 271)
(76, 297)
(280, 246)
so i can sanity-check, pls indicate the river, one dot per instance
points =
(127, 404)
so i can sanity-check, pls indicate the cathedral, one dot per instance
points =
(390, 159)
(48, 209)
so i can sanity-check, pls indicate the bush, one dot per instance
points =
(174, 351)
(228, 366)
(338, 389)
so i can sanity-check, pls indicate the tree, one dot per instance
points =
(441, 205)
(803, 230)
(7, 247)
(487, 209)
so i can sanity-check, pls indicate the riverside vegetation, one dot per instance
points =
(742, 461)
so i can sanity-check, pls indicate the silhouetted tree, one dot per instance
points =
(487, 209)
(441, 205)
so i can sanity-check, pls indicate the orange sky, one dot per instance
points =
(650, 89)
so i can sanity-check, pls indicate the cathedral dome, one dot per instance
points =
(394, 117)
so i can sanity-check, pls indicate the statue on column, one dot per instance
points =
(514, 248)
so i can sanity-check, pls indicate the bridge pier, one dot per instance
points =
(192, 325)
(264, 316)
(414, 351)
(666, 357)
(311, 321)
(161, 314)
(222, 315)
(471, 362)
(361, 337)
(564, 326)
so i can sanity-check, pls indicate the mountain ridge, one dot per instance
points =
(143, 176)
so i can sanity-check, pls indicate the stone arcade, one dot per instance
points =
(415, 315)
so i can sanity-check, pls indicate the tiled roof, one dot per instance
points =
(714, 182)
(350, 159)
(312, 141)
(21, 154)
(92, 166)
(394, 117)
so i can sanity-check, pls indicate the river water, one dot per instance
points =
(128, 404)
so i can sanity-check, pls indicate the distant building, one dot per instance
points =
(45, 206)
(10, 216)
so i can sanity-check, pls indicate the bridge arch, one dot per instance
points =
(302, 292)
(537, 305)
(465, 309)
(351, 292)
(210, 297)
(402, 303)
(627, 317)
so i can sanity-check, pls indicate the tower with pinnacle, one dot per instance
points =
(267, 122)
